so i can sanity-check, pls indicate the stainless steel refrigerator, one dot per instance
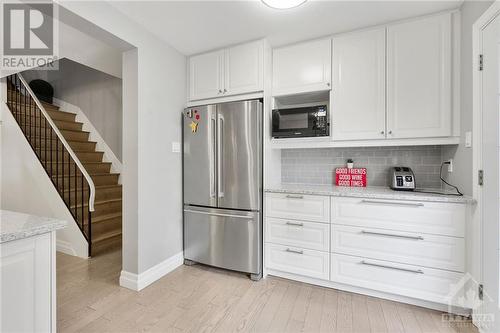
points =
(223, 186)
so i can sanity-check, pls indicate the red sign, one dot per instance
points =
(355, 177)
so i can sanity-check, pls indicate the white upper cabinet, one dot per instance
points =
(358, 102)
(244, 70)
(205, 75)
(419, 78)
(232, 71)
(300, 68)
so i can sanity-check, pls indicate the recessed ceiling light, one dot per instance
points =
(283, 4)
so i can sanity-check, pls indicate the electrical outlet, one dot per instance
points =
(468, 139)
(450, 165)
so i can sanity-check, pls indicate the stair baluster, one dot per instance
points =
(25, 107)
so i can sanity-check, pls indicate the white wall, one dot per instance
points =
(154, 174)
(26, 188)
(90, 51)
(462, 157)
(97, 94)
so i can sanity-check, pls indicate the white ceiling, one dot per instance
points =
(196, 26)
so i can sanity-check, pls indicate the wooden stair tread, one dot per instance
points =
(54, 120)
(94, 174)
(106, 236)
(106, 217)
(97, 187)
(43, 137)
(98, 202)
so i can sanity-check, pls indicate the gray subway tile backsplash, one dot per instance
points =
(316, 166)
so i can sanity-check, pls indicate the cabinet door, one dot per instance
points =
(302, 67)
(419, 78)
(244, 69)
(358, 111)
(205, 75)
(26, 285)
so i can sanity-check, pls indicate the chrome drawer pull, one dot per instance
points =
(416, 271)
(295, 224)
(391, 235)
(409, 204)
(295, 196)
(294, 251)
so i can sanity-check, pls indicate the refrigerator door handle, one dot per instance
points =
(213, 169)
(220, 156)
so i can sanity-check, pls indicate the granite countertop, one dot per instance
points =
(14, 226)
(374, 192)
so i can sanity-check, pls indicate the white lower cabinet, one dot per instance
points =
(309, 235)
(27, 284)
(435, 285)
(299, 261)
(439, 252)
(405, 248)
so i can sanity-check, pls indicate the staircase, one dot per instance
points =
(96, 205)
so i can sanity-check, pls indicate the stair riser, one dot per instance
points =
(69, 168)
(53, 113)
(82, 156)
(105, 180)
(106, 226)
(100, 209)
(107, 245)
(75, 145)
(75, 136)
(98, 168)
(37, 134)
(33, 106)
(98, 180)
(107, 208)
(102, 194)
(61, 125)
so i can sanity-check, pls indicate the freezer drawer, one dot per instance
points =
(223, 238)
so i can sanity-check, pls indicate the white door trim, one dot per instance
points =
(477, 114)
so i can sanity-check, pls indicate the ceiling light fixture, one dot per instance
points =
(283, 4)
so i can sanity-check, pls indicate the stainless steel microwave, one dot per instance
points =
(311, 121)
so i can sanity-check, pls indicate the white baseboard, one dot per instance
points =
(140, 281)
(65, 247)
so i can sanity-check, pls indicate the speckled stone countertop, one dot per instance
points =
(14, 226)
(374, 192)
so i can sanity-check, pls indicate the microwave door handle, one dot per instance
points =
(220, 155)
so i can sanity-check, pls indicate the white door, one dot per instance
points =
(490, 195)
(419, 78)
(303, 67)
(205, 75)
(244, 69)
(358, 109)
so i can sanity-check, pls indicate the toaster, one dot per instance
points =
(402, 179)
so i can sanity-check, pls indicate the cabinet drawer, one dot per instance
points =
(309, 235)
(411, 281)
(440, 252)
(424, 217)
(298, 261)
(314, 208)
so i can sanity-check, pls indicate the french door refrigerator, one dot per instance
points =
(223, 186)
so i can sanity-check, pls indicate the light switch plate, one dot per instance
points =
(176, 147)
(468, 139)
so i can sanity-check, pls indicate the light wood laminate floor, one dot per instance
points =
(202, 299)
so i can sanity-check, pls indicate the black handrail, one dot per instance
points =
(39, 132)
